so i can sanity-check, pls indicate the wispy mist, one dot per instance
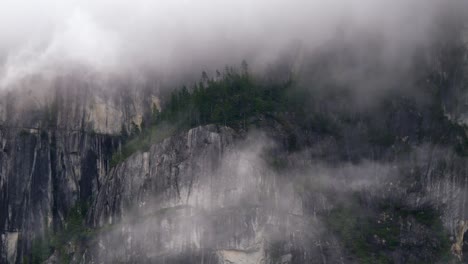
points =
(238, 203)
(176, 37)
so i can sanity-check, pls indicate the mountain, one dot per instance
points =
(333, 157)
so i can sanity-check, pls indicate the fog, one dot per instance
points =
(171, 38)
(243, 205)
(254, 185)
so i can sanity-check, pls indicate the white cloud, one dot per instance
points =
(78, 41)
(180, 35)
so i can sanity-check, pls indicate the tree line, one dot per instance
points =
(229, 98)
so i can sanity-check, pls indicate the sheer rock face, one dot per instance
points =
(457, 247)
(56, 142)
(207, 196)
(203, 196)
(79, 102)
(42, 176)
(166, 176)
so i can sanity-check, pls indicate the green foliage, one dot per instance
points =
(143, 141)
(41, 249)
(229, 100)
(24, 133)
(74, 232)
(232, 98)
(370, 236)
(354, 230)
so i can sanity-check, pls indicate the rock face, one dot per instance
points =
(209, 196)
(56, 143)
(385, 185)
(214, 195)
(43, 175)
(77, 102)
(457, 247)
(195, 197)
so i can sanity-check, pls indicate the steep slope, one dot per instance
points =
(213, 195)
(201, 196)
(56, 143)
(261, 170)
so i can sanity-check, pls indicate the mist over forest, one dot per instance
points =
(221, 132)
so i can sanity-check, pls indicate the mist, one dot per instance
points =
(345, 132)
(238, 206)
(176, 38)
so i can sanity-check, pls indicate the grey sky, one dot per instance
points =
(166, 36)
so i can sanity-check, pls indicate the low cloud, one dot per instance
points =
(172, 38)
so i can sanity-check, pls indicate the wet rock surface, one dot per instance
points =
(56, 143)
